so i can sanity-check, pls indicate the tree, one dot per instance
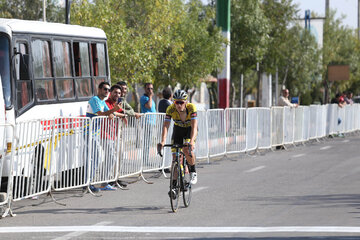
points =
(341, 46)
(249, 41)
(159, 41)
(32, 10)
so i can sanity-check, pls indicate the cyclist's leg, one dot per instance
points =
(186, 140)
(176, 138)
(190, 158)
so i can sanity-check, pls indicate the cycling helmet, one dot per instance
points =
(180, 95)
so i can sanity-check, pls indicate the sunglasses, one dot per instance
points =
(106, 89)
(179, 102)
(150, 88)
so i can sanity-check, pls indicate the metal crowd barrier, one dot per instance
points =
(104, 149)
(131, 154)
(32, 159)
(235, 120)
(306, 132)
(277, 126)
(289, 124)
(202, 146)
(71, 167)
(251, 129)
(299, 125)
(264, 128)
(153, 123)
(216, 132)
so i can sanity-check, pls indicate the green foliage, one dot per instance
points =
(159, 41)
(264, 32)
(249, 41)
(32, 10)
(341, 46)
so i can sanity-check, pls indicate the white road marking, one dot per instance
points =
(177, 229)
(255, 169)
(199, 189)
(326, 147)
(79, 233)
(345, 141)
(298, 155)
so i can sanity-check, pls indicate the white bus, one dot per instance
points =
(47, 70)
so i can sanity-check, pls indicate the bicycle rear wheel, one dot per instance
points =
(174, 189)
(186, 185)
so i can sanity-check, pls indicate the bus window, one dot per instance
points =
(5, 69)
(82, 69)
(62, 67)
(65, 88)
(44, 90)
(41, 59)
(62, 63)
(83, 87)
(99, 59)
(23, 86)
(82, 60)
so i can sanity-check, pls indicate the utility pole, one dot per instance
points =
(327, 7)
(326, 82)
(67, 11)
(44, 10)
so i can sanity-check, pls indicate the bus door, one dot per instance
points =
(5, 91)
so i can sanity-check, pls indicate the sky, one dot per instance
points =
(343, 7)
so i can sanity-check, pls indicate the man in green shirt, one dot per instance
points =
(125, 105)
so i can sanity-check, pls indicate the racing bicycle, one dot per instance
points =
(180, 172)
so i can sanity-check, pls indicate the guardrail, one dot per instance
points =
(65, 153)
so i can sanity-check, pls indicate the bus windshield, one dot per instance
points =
(5, 69)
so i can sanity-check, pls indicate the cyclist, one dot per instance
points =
(184, 116)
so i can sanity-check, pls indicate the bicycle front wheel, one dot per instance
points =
(186, 188)
(174, 187)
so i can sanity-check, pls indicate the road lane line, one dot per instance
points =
(79, 233)
(255, 169)
(177, 229)
(199, 189)
(345, 141)
(326, 147)
(298, 155)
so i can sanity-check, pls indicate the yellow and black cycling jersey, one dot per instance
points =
(172, 113)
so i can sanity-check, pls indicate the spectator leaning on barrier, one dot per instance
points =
(146, 102)
(348, 98)
(97, 107)
(115, 93)
(125, 105)
(339, 100)
(165, 102)
(284, 99)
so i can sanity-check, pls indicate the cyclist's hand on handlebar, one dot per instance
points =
(159, 148)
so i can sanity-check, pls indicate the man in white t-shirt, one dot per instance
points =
(284, 99)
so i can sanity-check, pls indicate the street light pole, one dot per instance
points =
(44, 10)
(326, 82)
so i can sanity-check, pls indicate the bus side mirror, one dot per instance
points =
(24, 67)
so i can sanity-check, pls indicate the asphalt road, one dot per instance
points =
(305, 192)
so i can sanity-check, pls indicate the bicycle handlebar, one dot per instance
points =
(175, 146)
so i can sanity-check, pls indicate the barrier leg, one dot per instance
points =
(8, 211)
